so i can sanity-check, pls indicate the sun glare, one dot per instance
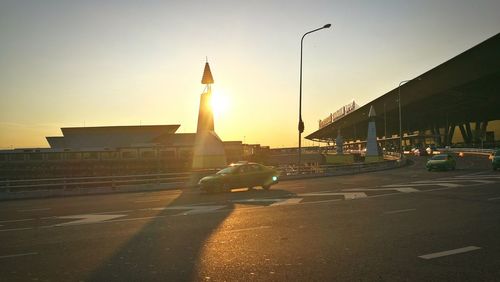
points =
(219, 103)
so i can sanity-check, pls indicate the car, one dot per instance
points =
(419, 152)
(441, 161)
(495, 160)
(240, 175)
(430, 149)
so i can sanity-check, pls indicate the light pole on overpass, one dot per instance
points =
(399, 106)
(301, 123)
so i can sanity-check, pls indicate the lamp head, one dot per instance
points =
(327, 26)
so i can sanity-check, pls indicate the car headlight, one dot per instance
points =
(275, 178)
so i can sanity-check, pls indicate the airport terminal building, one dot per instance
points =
(109, 150)
(457, 103)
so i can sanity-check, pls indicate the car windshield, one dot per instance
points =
(228, 170)
(440, 157)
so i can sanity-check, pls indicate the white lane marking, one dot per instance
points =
(87, 218)
(312, 194)
(494, 199)
(245, 209)
(450, 252)
(37, 209)
(291, 201)
(191, 209)
(347, 195)
(16, 220)
(19, 255)
(15, 229)
(264, 200)
(444, 184)
(455, 180)
(293, 186)
(399, 189)
(125, 211)
(492, 178)
(352, 196)
(147, 201)
(477, 173)
(399, 211)
(247, 229)
(483, 181)
(115, 221)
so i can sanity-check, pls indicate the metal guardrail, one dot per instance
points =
(328, 170)
(114, 181)
(186, 178)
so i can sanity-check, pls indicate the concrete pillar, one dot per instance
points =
(372, 153)
(339, 142)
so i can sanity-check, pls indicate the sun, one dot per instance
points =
(219, 103)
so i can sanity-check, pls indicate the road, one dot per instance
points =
(403, 224)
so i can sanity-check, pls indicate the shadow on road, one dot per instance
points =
(169, 246)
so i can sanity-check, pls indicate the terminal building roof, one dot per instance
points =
(464, 89)
(110, 136)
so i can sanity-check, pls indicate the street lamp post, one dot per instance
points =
(399, 106)
(301, 123)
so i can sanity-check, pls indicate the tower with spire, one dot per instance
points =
(209, 148)
(205, 113)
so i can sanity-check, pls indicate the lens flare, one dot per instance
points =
(219, 103)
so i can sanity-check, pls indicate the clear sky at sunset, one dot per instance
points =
(102, 63)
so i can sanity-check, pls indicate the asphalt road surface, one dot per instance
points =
(405, 224)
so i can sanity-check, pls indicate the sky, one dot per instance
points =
(105, 63)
